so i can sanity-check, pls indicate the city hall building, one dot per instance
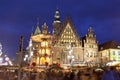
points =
(63, 46)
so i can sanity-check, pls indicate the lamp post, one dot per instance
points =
(21, 54)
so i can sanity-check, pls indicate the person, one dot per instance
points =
(66, 76)
(78, 74)
(24, 76)
(111, 74)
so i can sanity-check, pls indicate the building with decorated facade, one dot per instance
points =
(109, 53)
(63, 46)
(39, 49)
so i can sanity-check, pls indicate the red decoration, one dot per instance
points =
(58, 65)
(46, 63)
(33, 64)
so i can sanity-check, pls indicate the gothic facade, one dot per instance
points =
(64, 44)
(84, 49)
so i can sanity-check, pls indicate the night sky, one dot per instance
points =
(19, 17)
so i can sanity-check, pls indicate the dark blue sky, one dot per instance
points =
(18, 17)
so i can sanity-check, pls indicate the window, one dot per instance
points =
(113, 52)
(119, 53)
(91, 54)
(89, 46)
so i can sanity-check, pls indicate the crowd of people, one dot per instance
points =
(111, 74)
(108, 73)
(53, 74)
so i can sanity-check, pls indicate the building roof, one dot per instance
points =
(37, 31)
(71, 31)
(109, 44)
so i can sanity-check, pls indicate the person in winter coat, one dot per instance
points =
(111, 74)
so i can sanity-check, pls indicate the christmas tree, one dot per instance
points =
(4, 59)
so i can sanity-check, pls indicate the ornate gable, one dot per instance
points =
(68, 35)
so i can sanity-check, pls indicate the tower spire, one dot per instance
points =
(57, 16)
(21, 43)
(37, 31)
(57, 23)
(37, 21)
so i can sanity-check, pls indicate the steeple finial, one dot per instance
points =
(57, 16)
(37, 21)
(90, 29)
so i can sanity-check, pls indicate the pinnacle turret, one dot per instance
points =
(90, 29)
(90, 32)
(44, 28)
